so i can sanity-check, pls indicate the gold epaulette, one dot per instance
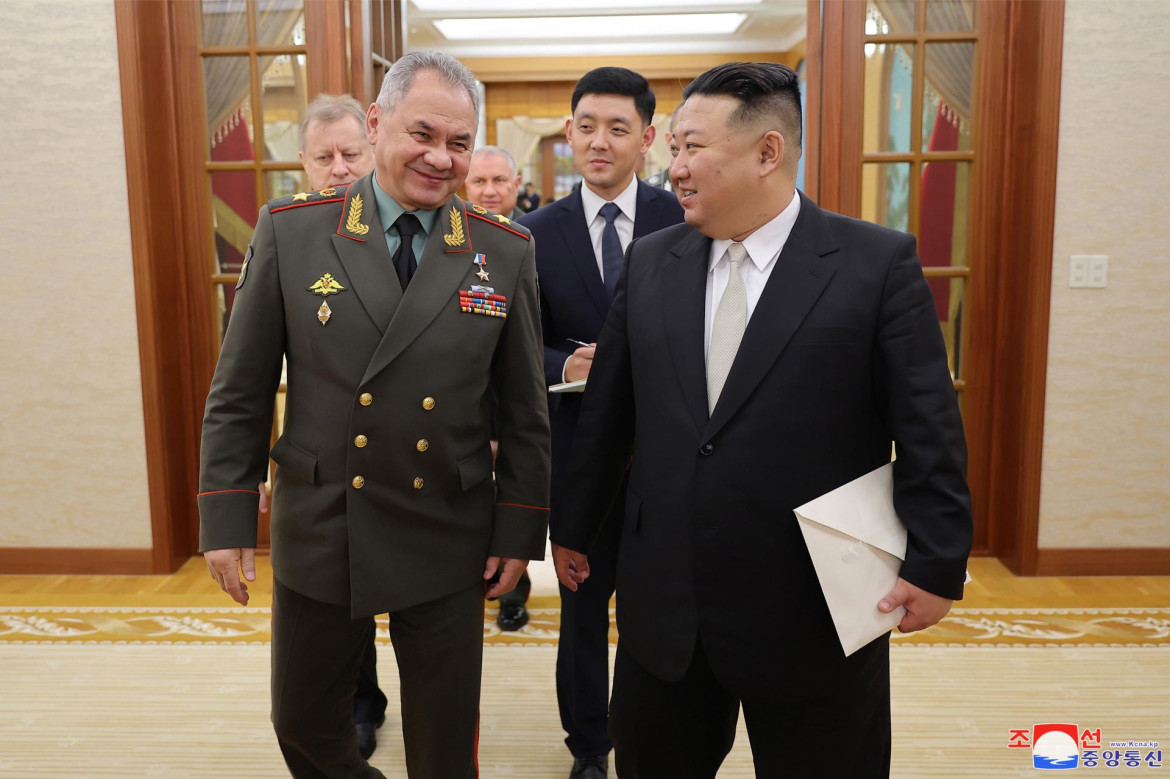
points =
(327, 195)
(499, 220)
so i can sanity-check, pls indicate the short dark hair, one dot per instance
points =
(617, 81)
(766, 91)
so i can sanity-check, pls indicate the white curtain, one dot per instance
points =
(283, 140)
(226, 84)
(951, 65)
(520, 135)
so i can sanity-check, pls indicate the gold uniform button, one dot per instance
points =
(366, 399)
(418, 482)
(360, 441)
(428, 403)
(358, 482)
(422, 445)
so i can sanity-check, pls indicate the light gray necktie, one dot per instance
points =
(727, 332)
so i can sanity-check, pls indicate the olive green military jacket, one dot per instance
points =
(383, 494)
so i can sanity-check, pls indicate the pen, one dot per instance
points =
(579, 343)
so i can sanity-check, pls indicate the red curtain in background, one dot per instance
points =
(936, 225)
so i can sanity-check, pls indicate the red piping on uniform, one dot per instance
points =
(221, 492)
(500, 225)
(521, 505)
(302, 205)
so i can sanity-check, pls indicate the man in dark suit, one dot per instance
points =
(579, 244)
(399, 308)
(530, 201)
(761, 355)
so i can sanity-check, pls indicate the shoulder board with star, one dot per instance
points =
(327, 195)
(499, 220)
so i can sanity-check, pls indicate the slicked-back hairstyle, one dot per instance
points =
(400, 77)
(499, 152)
(768, 93)
(328, 109)
(617, 81)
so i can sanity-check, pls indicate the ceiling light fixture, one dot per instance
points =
(511, 6)
(602, 27)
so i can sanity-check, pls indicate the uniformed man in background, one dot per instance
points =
(494, 183)
(398, 307)
(335, 152)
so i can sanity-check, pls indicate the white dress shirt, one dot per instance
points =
(627, 201)
(763, 247)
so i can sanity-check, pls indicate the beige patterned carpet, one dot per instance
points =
(1096, 627)
(182, 692)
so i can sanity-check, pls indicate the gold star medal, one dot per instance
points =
(481, 261)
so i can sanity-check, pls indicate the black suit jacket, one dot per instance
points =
(843, 356)
(573, 299)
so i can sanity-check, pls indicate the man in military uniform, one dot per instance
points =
(494, 183)
(384, 497)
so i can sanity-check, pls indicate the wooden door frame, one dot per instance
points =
(165, 136)
(1012, 221)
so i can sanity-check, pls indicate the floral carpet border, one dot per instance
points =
(1038, 627)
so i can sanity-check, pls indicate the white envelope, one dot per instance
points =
(857, 544)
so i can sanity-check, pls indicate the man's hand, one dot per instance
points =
(263, 498)
(572, 567)
(923, 609)
(509, 575)
(579, 362)
(225, 565)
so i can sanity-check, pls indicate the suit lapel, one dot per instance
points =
(360, 243)
(683, 286)
(575, 232)
(794, 286)
(648, 211)
(444, 263)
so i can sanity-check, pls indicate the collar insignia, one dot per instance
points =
(456, 237)
(353, 222)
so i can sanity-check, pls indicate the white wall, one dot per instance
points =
(1106, 472)
(72, 450)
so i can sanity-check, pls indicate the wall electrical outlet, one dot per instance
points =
(1098, 271)
(1078, 270)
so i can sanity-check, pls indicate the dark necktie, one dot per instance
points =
(407, 225)
(611, 248)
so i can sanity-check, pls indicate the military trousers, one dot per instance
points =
(317, 650)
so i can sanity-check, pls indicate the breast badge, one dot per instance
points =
(483, 301)
(325, 286)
